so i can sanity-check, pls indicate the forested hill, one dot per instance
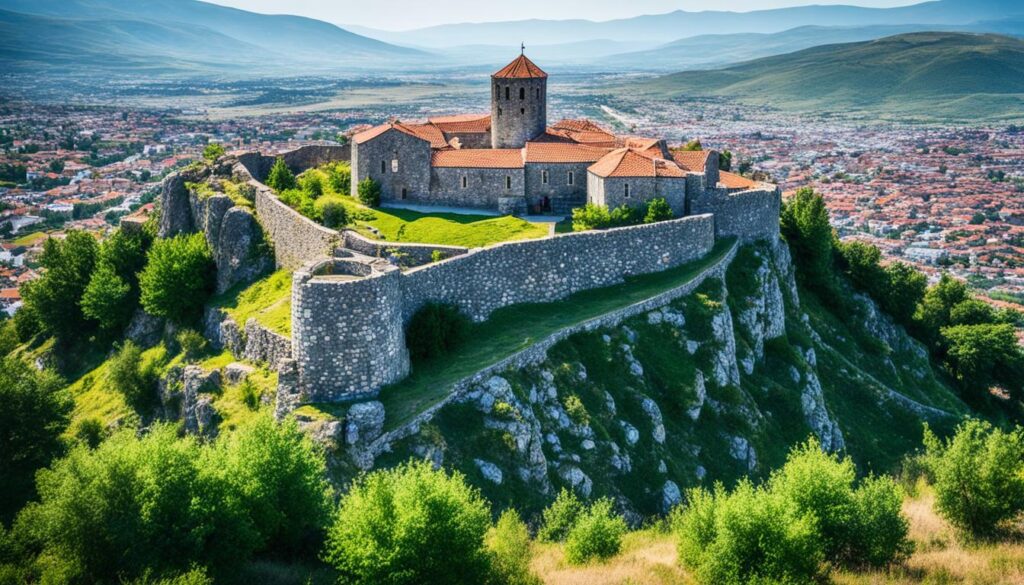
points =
(951, 75)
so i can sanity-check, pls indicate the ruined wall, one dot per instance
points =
(413, 254)
(749, 215)
(305, 157)
(297, 239)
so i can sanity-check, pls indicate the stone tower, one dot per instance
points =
(519, 104)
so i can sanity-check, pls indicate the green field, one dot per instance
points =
(268, 300)
(514, 328)
(919, 76)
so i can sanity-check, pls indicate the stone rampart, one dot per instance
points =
(545, 270)
(414, 254)
(749, 215)
(297, 239)
(305, 157)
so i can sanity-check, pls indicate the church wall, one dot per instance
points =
(413, 173)
(563, 195)
(515, 120)
(484, 186)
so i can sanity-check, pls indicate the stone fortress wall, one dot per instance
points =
(350, 305)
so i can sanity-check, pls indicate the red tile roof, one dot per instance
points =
(479, 158)
(734, 181)
(626, 162)
(520, 68)
(561, 152)
(583, 132)
(462, 124)
(426, 132)
(691, 160)
(10, 294)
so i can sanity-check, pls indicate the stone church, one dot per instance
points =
(512, 162)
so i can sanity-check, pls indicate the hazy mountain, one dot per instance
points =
(680, 24)
(926, 75)
(181, 34)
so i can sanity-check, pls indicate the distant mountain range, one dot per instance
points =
(665, 28)
(930, 76)
(183, 36)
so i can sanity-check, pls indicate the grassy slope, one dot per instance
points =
(926, 75)
(649, 557)
(268, 300)
(516, 327)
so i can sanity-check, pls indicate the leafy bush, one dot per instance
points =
(980, 356)
(368, 192)
(34, 414)
(410, 524)
(192, 343)
(508, 543)
(748, 536)
(623, 215)
(658, 210)
(596, 535)
(213, 151)
(560, 517)
(333, 214)
(312, 184)
(978, 476)
(281, 177)
(90, 432)
(133, 379)
(340, 176)
(178, 278)
(196, 576)
(251, 395)
(590, 217)
(576, 410)
(822, 485)
(112, 294)
(435, 330)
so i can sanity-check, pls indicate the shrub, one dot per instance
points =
(312, 184)
(435, 330)
(281, 177)
(747, 536)
(178, 278)
(251, 395)
(192, 344)
(576, 410)
(90, 432)
(368, 192)
(658, 210)
(410, 524)
(978, 475)
(213, 151)
(980, 356)
(35, 413)
(590, 217)
(133, 379)
(333, 214)
(340, 177)
(596, 535)
(560, 517)
(508, 543)
(196, 576)
(880, 532)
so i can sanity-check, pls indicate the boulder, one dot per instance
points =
(490, 471)
(670, 496)
(364, 422)
(144, 329)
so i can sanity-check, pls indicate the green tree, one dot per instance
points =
(55, 298)
(805, 224)
(133, 379)
(508, 543)
(972, 312)
(178, 278)
(107, 298)
(281, 476)
(340, 176)
(980, 356)
(368, 192)
(436, 329)
(725, 160)
(131, 507)
(596, 535)
(410, 524)
(904, 289)
(281, 177)
(312, 184)
(34, 414)
(978, 476)
(590, 217)
(658, 210)
(936, 307)
(333, 213)
(213, 151)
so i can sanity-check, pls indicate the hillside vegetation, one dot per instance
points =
(926, 76)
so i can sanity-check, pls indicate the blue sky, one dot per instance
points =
(407, 14)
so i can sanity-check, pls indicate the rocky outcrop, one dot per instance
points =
(241, 250)
(175, 207)
(816, 414)
(764, 317)
(725, 368)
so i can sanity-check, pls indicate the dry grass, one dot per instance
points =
(648, 557)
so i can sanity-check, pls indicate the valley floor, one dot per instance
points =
(649, 558)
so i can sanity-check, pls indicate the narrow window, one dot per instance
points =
(544, 177)
(394, 165)
(522, 93)
(627, 191)
(538, 93)
(404, 192)
(465, 181)
(383, 166)
(499, 112)
(506, 93)
(522, 110)
(572, 178)
(508, 182)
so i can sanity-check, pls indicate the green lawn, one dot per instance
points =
(268, 300)
(516, 327)
(30, 239)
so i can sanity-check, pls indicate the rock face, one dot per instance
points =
(812, 400)
(197, 410)
(765, 315)
(175, 209)
(241, 249)
(364, 422)
(725, 371)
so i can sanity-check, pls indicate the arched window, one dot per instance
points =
(522, 110)
(522, 93)
(499, 112)
(626, 191)
(394, 165)
(508, 182)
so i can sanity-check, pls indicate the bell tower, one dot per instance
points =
(519, 103)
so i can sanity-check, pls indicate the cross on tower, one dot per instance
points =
(522, 48)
